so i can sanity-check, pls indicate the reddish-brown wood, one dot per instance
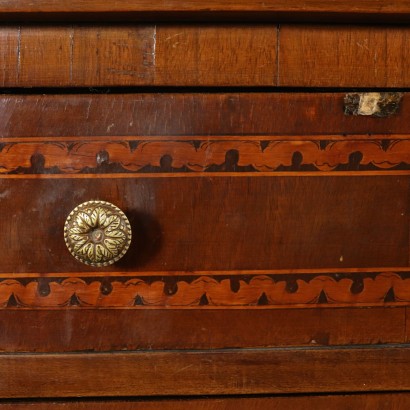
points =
(209, 372)
(85, 56)
(375, 6)
(204, 55)
(193, 154)
(192, 114)
(223, 55)
(207, 223)
(348, 57)
(45, 57)
(9, 43)
(262, 221)
(74, 330)
(207, 10)
(407, 327)
(379, 401)
(205, 290)
(111, 55)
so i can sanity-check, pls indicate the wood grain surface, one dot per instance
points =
(43, 56)
(71, 330)
(201, 224)
(237, 282)
(204, 55)
(253, 371)
(212, 5)
(375, 401)
(349, 56)
(297, 114)
(9, 43)
(207, 10)
(133, 55)
(223, 55)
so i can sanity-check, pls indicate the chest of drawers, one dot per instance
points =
(263, 166)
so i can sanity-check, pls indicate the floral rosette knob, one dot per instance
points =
(97, 233)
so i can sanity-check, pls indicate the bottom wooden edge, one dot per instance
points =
(206, 372)
(61, 331)
(374, 401)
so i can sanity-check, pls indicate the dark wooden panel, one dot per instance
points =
(143, 10)
(93, 56)
(107, 330)
(348, 57)
(209, 223)
(205, 372)
(374, 401)
(190, 114)
(407, 334)
(398, 6)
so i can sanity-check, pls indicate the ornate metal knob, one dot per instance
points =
(97, 233)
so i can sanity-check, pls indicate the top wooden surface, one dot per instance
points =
(207, 10)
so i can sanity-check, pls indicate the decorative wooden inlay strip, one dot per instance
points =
(226, 273)
(208, 156)
(136, 175)
(242, 291)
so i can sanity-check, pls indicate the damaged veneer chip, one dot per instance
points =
(374, 104)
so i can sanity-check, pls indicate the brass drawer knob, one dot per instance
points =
(97, 233)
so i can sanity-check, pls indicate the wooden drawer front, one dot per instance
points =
(200, 241)
(296, 220)
(237, 237)
(290, 115)
(204, 55)
(205, 223)
(209, 372)
(73, 329)
(134, 55)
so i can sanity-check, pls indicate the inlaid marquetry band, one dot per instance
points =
(196, 156)
(97, 233)
(208, 291)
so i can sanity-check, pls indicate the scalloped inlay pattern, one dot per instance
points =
(331, 290)
(232, 155)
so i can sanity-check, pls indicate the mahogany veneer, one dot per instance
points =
(248, 55)
(271, 229)
(207, 10)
